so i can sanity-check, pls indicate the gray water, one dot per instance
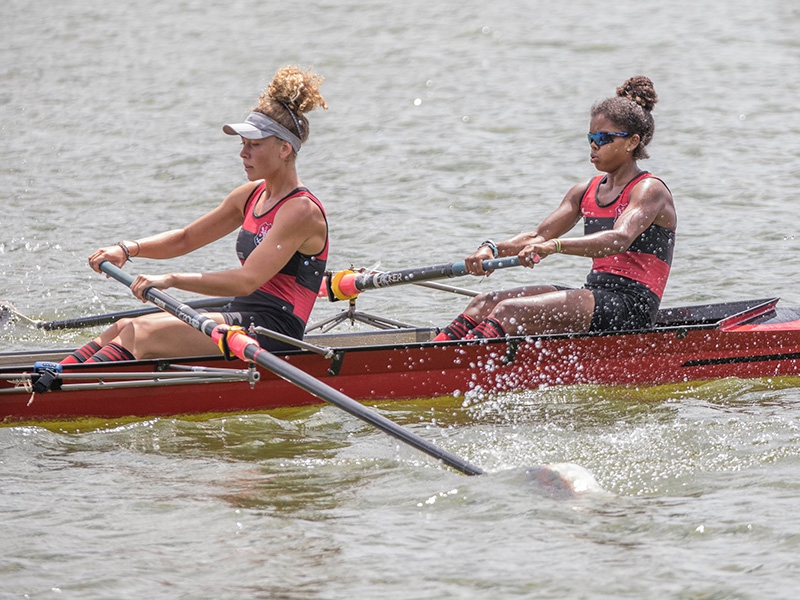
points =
(449, 122)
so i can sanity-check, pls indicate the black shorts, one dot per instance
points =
(267, 312)
(621, 304)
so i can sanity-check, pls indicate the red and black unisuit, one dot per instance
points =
(283, 303)
(628, 286)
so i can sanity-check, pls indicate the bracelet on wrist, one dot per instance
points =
(125, 250)
(138, 248)
(491, 246)
(557, 242)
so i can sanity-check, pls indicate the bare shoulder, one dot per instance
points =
(302, 205)
(579, 189)
(237, 199)
(301, 218)
(652, 187)
(654, 193)
(301, 210)
(244, 191)
(574, 195)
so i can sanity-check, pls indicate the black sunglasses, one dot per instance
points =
(601, 138)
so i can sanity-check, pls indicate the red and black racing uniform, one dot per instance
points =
(283, 303)
(628, 286)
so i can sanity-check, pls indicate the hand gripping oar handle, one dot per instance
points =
(347, 284)
(248, 349)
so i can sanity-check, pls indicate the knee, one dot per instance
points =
(483, 303)
(502, 310)
(136, 331)
(121, 324)
(113, 330)
(127, 327)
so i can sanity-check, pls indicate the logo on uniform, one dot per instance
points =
(262, 231)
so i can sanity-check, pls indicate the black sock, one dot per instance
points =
(111, 352)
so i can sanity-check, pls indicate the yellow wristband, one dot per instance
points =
(557, 242)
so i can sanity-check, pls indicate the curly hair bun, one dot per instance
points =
(297, 89)
(639, 89)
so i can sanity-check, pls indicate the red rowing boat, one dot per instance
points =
(745, 339)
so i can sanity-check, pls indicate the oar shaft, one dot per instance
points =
(323, 391)
(93, 320)
(253, 352)
(434, 286)
(456, 269)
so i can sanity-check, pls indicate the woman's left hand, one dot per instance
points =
(142, 282)
(531, 254)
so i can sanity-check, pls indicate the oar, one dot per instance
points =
(345, 285)
(248, 349)
(431, 286)
(7, 310)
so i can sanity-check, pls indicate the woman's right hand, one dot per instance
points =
(113, 254)
(474, 262)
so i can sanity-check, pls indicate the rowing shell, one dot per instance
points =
(746, 339)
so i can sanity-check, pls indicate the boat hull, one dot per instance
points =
(748, 341)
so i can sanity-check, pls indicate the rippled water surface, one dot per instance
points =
(449, 122)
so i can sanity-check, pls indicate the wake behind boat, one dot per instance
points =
(745, 339)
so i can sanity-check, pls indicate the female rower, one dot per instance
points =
(629, 232)
(282, 243)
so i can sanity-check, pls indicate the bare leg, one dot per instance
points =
(482, 305)
(160, 336)
(558, 311)
(471, 323)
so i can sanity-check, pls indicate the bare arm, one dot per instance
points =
(650, 202)
(210, 227)
(299, 226)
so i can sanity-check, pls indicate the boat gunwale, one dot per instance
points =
(680, 326)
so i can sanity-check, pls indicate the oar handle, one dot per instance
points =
(114, 271)
(248, 349)
(492, 264)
